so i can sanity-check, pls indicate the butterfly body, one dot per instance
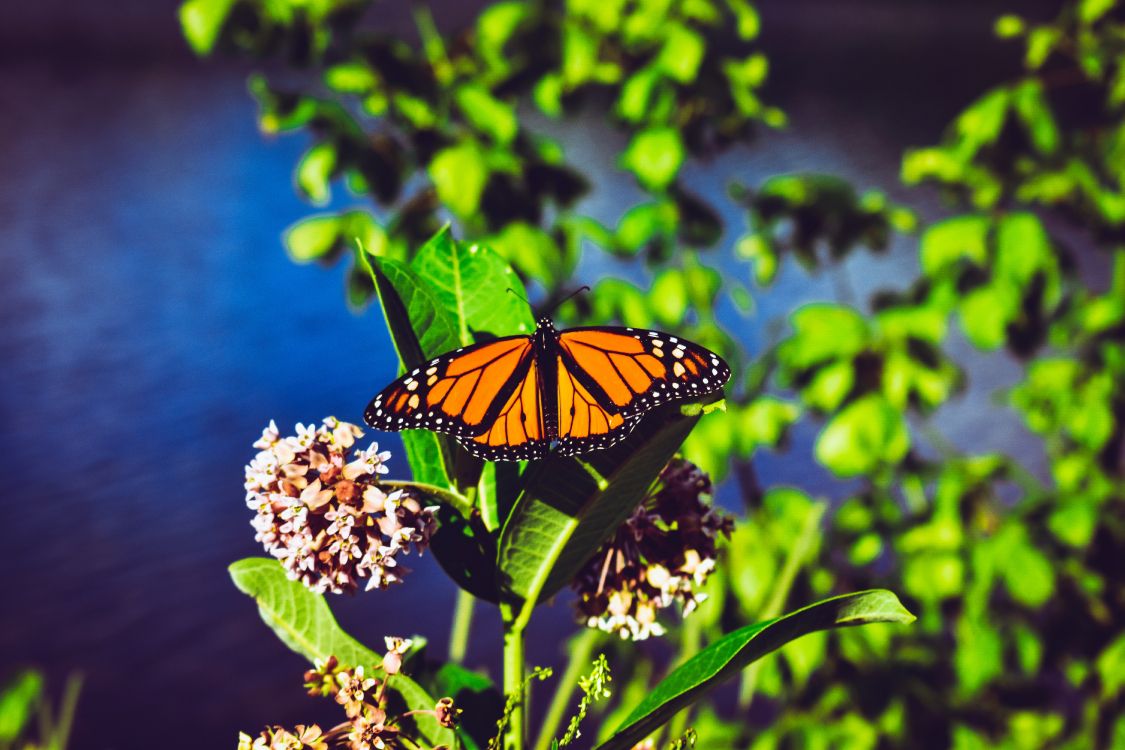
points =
(522, 397)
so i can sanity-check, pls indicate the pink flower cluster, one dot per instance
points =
(327, 518)
(662, 554)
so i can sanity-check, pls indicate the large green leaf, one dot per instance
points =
(730, 654)
(472, 282)
(304, 623)
(564, 513)
(421, 328)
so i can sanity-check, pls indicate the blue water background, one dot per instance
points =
(151, 326)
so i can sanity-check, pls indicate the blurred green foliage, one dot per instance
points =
(1014, 570)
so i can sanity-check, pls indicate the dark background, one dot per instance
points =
(152, 325)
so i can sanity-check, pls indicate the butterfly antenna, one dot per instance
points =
(569, 297)
(517, 294)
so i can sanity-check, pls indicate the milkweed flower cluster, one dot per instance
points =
(363, 695)
(662, 554)
(327, 518)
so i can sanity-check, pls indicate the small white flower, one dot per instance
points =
(270, 435)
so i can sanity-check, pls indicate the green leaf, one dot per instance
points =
(1111, 667)
(18, 701)
(1031, 106)
(985, 313)
(314, 172)
(730, 654)
(304, 623)
(488, 114)
(471, 282)
(654, 156)
(466, 552)
(460, 174)
(351, 78)
(421, 328)
(944, 243)
(867, 434)
(823, 332)
(202, 20)
(1090, 11)
(681, 54)
(532, 251)
(323, 236)
(300, 618)
(564, 514)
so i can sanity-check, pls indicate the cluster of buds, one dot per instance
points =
(327, 519)
(362, 695)
(662, 554)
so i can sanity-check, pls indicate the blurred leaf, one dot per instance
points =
(730, 654)
(488, 114)
(202, 20)
(1032, 108)
(460, 173)
(669, 297)
(822, 332)
(979, 656)
(351, 78)
(1090, 11)
(985, 313)
(654, 156)
(18, 701)
(532, 251)
(303, 622)
(681, 54)
(1008, 26)
(314, 172)
(867, 434)
(944, 243)
(1111, 667)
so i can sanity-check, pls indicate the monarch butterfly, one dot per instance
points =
(518, 397)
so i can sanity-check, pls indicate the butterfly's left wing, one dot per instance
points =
(458, 393)
(633, 370)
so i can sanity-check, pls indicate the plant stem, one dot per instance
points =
(582, 651)
(514, 688)
(463, 504)
(793, 562)
(462, 621)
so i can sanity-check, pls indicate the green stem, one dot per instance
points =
(582, 653)
(462, 622)
(462, 504)
(793, 562)
(514, 687)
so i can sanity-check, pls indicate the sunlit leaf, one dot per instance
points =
(730, 654)
(18, 700)
(681, 54)
(460, 173)
(488, 114)
(314, 172)
(867, 434)
(303, 622)
(654, 156)
(202, 20)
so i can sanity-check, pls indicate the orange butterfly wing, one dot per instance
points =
(635, 369)
(584, 423)
(492, 397)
